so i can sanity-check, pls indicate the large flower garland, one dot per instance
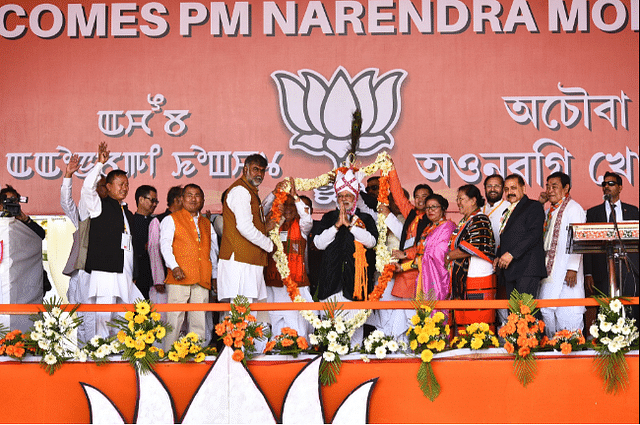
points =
(383, 256)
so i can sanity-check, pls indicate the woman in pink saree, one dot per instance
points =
(434, 279)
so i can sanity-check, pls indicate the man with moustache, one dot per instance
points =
(339, 232)
(494, 208)
(564, 270)
(245, 244)
(596, 274)
(189, 247)
(520, 256)
(110, 257)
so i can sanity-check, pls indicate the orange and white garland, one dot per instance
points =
(384, 263)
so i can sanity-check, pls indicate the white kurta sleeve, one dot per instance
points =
(306, 222)
(323, 240)
(213, 254)
(89, 199)
(66, 200)
(167, 231)
(363, 236)
(578, 215)
(155, 258)
(394, 225)
(268, 202)
(239, 201)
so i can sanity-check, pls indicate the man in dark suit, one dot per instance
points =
(596, 272)
(520, 258)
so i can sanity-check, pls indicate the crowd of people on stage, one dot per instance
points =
(504, 241)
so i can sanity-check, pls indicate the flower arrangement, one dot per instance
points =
(16, 345)
(332, 336)
(614, 335)
(476, 336)
(566, 341)
(138, 331)
(378, 344)
(51, 334)
(97, 350)
(240, 330)
(522, 334)
(428, 333)
(189, 347)
(288, 342)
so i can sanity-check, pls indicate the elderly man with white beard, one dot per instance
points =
(343, 232)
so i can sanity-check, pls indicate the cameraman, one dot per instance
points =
(10, 207)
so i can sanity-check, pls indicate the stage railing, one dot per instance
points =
(354, 305)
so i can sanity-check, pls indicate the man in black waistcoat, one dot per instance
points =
(110, 256)
(146, 203)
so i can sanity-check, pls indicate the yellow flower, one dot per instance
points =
(161, 353)
(417, 329)
(128, 316)
(149, 338)
(440, 345)
(415, 319)
(480, 335)
(199, 357)
(140, 318)
(426, 356)
(495, 342)
(182, 354)
(423, 338)
(194, 349)
(192, 336)
(138, 333)
(413, 344)
(143, 308)
(140, 354)
(426, 308)
(153, 349)
(476, 343)
(155, 316)
(484, 327)
(439, 316)
(173, 356)
(432, 345)
(462, 343)
(121, 336)
(139, 344)
(131, 326)
(447, 329)
(128, 341)
(160, 332)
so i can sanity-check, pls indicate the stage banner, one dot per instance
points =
(454, 90)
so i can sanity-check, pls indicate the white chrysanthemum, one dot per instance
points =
(66, 322)
(368, 345)
(392, 346)
(326, 324)
(403, 345)
(333, 346)
(593, 330)
(48, 332)
(328, 356)
(38, 325)
(114, 347)
(340, 327)
(56, 312)
(615, 306)
(36, 336)
(613, 347)
(313, 339)
(80, 355)
(377, 334)
(317, 323)
(44, 344)
(626, 330)
(605, 326)
(103, 351)
(364, 358)
(58, 349)
(49, 321)
(299, 299)
(95, 341)
(602, 317)
(332, 336)
(381, 353)
(616, 329)
(342, 350)
(50, 359)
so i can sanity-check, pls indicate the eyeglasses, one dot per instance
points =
(153, 200)
(609, 183)
(433, 207)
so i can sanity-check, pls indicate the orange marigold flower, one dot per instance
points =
(541, 325)
(270, 346)
(509, 347)
(10, 336)
(10, 350)
(238, 343)
(522, 341)
(545, 341)
(302, 343)
(532, 342)
(18, 352)
(228, 326)
(581, 340)
(565, 347)
(524, 351)
(287, 342)
(241, 325)
(524, 309)
(241, 309)
(238, 355)
(219, 329)
(530, 318)
(251, 318)
(249, 340)
(237, 334)
(2, 349)
(228, 340)
(259, 332)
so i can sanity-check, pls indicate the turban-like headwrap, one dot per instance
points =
(349, 181)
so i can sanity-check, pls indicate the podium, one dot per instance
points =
(20, 270)
(614, 239)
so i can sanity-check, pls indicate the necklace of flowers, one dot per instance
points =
(383, 255)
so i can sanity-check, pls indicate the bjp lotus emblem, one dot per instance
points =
(318, 112)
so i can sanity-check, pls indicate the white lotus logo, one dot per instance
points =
(318, 112)
(228, 394)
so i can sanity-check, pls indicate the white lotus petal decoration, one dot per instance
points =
(318, 112)
(302, 403)
(355, 408)
(154, 405)
(101, 408)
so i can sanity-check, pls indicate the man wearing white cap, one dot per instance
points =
(344, 232)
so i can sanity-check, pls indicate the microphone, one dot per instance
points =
(607, 197)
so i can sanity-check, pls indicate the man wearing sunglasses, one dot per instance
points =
(595, 265)
(146, 203)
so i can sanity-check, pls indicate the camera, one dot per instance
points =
(11, 206)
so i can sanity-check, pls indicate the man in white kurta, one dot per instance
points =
(494, 208)
(565, 276)
(243, 240)
(109, 287)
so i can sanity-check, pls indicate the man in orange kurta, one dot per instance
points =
(190, 251)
